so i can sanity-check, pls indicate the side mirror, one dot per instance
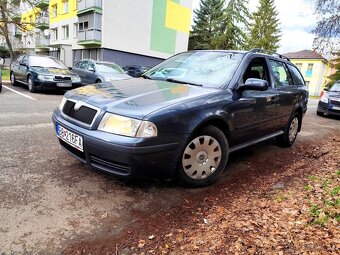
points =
(70, 68)
(91, 69)
(23, 64)
(255, 84)
(326, 89)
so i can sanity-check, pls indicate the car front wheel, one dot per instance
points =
(204, 157)
(31, 86)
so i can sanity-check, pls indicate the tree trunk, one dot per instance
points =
(5, 32)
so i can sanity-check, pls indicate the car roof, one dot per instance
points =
(98, 61)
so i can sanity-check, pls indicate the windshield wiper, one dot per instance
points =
(183, 82)
(146, 77)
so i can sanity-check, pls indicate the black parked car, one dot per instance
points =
(186, 116)
(91, 71)
(135, 70)
(330, 101)
(42, 72)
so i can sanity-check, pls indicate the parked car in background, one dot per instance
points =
(330, 101)
(186, 116)
(91, 71)
(42, 72)
(135, 70)
(0, 81)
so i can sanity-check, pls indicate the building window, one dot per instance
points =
(65, 5)
(309, 71)
(66, 32)
(83, 26)
(55, 34)
(299, 66)
(55, 10)
(75, 28)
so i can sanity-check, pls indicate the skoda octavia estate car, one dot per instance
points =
(42, 72)
(186, 116)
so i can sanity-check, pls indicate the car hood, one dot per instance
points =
(51, 71)
(115, 76)
(136, 98)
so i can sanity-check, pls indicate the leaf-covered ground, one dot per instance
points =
(275, 208)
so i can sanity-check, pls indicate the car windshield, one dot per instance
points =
(109, 68)
(41, 61)
(203, 68)
(335, 87)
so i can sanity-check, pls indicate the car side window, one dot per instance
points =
(78, 65)
(256, 69)
(84, 65)
(24, 60)
(91, 66)
(297, 77)
(281, 73)
(19, 59)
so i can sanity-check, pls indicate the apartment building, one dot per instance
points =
(124, 31)
(314, 68)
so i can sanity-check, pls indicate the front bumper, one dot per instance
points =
(327, 108)
(125, 156)
(52, 85)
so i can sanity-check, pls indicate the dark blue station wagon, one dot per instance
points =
(186, 115)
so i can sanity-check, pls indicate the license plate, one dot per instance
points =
(64, 84)
(69, 137)
(337, 108)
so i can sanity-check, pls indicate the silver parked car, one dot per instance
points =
(91, 71)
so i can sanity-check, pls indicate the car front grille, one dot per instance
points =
(62, 78)
(333, 102)
(84, 114)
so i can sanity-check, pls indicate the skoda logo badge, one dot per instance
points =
(78, 105)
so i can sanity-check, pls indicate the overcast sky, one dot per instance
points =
(297, 20)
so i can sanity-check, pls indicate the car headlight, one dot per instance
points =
(76, 79)
(45, 77)
(324, 98)
(62, 103)
(125, 126)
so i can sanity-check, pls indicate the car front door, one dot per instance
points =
(23, 69)
(287, 93)
(81, 68)
(91, 76)
(254, 111)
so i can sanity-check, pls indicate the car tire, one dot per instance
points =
(30, 84)
(288, 138)
(204, 157)
(319, 113)
(98, 81)
(13, 80)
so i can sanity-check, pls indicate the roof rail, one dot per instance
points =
(258, 50)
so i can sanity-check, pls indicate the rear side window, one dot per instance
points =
(297, 77)
(281, 74)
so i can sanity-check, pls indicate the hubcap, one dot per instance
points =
(12, 79)
(201, 157)
(293, 129)
(29, 84)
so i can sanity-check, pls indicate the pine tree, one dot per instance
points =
(208, 24)
(265, 31)
(235, 26)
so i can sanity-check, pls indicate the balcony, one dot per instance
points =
(42, 43)
(42, 23)
(90, 37)
(85, 6)
(42, 4)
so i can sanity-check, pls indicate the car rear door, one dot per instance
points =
(15, 68)
(254, 111)
(287, 92)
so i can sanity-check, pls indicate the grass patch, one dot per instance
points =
(5, 74)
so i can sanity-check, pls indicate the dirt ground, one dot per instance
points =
(265, 210)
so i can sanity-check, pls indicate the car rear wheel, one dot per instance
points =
(13, 80)
(31, 86)
(288, 138)
(98, 81)
(204, 157)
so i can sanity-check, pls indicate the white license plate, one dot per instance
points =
(336, 108)
(64, 84)
(69, 137)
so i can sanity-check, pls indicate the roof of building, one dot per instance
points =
(304, 54)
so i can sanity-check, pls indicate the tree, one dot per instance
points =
(235, 26)
(335, 76)
(9, 9)
(327, 30)
(265, 31)
(208, 24)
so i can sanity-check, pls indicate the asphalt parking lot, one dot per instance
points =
(49, 200)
